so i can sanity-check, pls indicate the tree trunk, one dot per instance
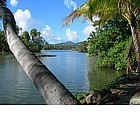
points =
(129, 68)
(51, 89)
(136, 44)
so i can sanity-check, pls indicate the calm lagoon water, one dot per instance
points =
(75, 70)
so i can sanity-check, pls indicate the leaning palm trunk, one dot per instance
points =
(50, 88)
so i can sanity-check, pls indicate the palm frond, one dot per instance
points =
(3, 3)
(79, 12)
(104, 9)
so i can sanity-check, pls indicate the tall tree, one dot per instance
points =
(107, 9)
(34, 34)
(37, 40)
(25, 38)
(51, 89)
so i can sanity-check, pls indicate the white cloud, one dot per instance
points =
(57, 38)
(47, 34)
(72, 35)
(46, 31)
(70, 3)
(14, 2)
(26, 22)
(89, 29)
(23, 18)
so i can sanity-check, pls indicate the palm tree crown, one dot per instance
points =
(104, 9)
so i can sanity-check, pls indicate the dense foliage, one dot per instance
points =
(81, 47)
(111, 44)
(33, 40)
(3, 43)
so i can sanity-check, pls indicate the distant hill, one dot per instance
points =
(80, 46)
(62, 46)
(67, 43)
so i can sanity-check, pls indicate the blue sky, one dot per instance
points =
(47, 16)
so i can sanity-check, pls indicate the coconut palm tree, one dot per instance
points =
(34, 34)
(51, 89)
(107, 9)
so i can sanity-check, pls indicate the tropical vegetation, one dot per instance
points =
(33, 40)
(110, 9)
(3, 43)
(111, 44)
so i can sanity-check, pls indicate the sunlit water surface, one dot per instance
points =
(75, 70)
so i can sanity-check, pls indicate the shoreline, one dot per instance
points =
(125, 90)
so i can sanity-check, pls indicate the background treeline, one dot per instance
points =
(80, 46)
(61, 46)
(33, 40)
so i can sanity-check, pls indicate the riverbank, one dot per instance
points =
(124, 90)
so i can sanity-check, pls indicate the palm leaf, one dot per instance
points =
(3, 2)
(82, 11)
(104, 9)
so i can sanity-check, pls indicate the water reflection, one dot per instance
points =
(70, 68)
(15, 86)
(99, 77)
(75, 70)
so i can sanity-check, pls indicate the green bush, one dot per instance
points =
(111, 44)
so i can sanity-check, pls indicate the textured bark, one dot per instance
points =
(51, 89)
(129, 68)
(136, 44)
